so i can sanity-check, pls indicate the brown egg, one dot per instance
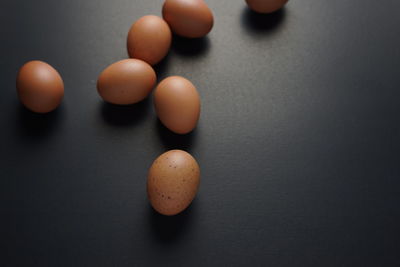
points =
(188, 18)
(172, 182)
(126, 82)
(266, 6)
(40, 87)
(149, 39)
(177, 104)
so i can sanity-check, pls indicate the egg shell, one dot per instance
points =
(266, 6)
(188, 18)
(172, 182)
(177, 104)
(149, 39)
(126, 82)
(40, 87)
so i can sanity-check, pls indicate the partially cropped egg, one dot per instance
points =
(172, 182)
(177, 104)
(188, 18)
(266, 6)
(126, 82)
(40, 87)
(149, 39)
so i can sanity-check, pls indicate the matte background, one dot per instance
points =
(298, 141)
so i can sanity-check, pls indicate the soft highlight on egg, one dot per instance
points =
(188, 18)
(177, 104)
(126, 82)
(149, 39)
(40, 87)
(172, 182)
(266, 6)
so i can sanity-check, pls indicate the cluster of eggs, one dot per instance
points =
(174, 177)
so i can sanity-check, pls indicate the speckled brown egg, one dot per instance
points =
(188, 18)
(40, 87)
(172, 182)
(126, 82)
(177, 104)
(266, 6)
(149, 39)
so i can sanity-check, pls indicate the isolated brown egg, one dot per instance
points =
(126, 82)
(149, 39)
(266, 6)
(177, 104)
(188, 18)
(40, 87)
(172, 182)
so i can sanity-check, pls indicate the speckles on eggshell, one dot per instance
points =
(176, 177)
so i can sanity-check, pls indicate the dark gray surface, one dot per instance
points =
(298, 142)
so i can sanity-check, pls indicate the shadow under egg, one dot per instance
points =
(37, 126)
(171, 140)
(169, 229)
(262, 23)
(125, 116)
(162, 68)
(190, 47)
